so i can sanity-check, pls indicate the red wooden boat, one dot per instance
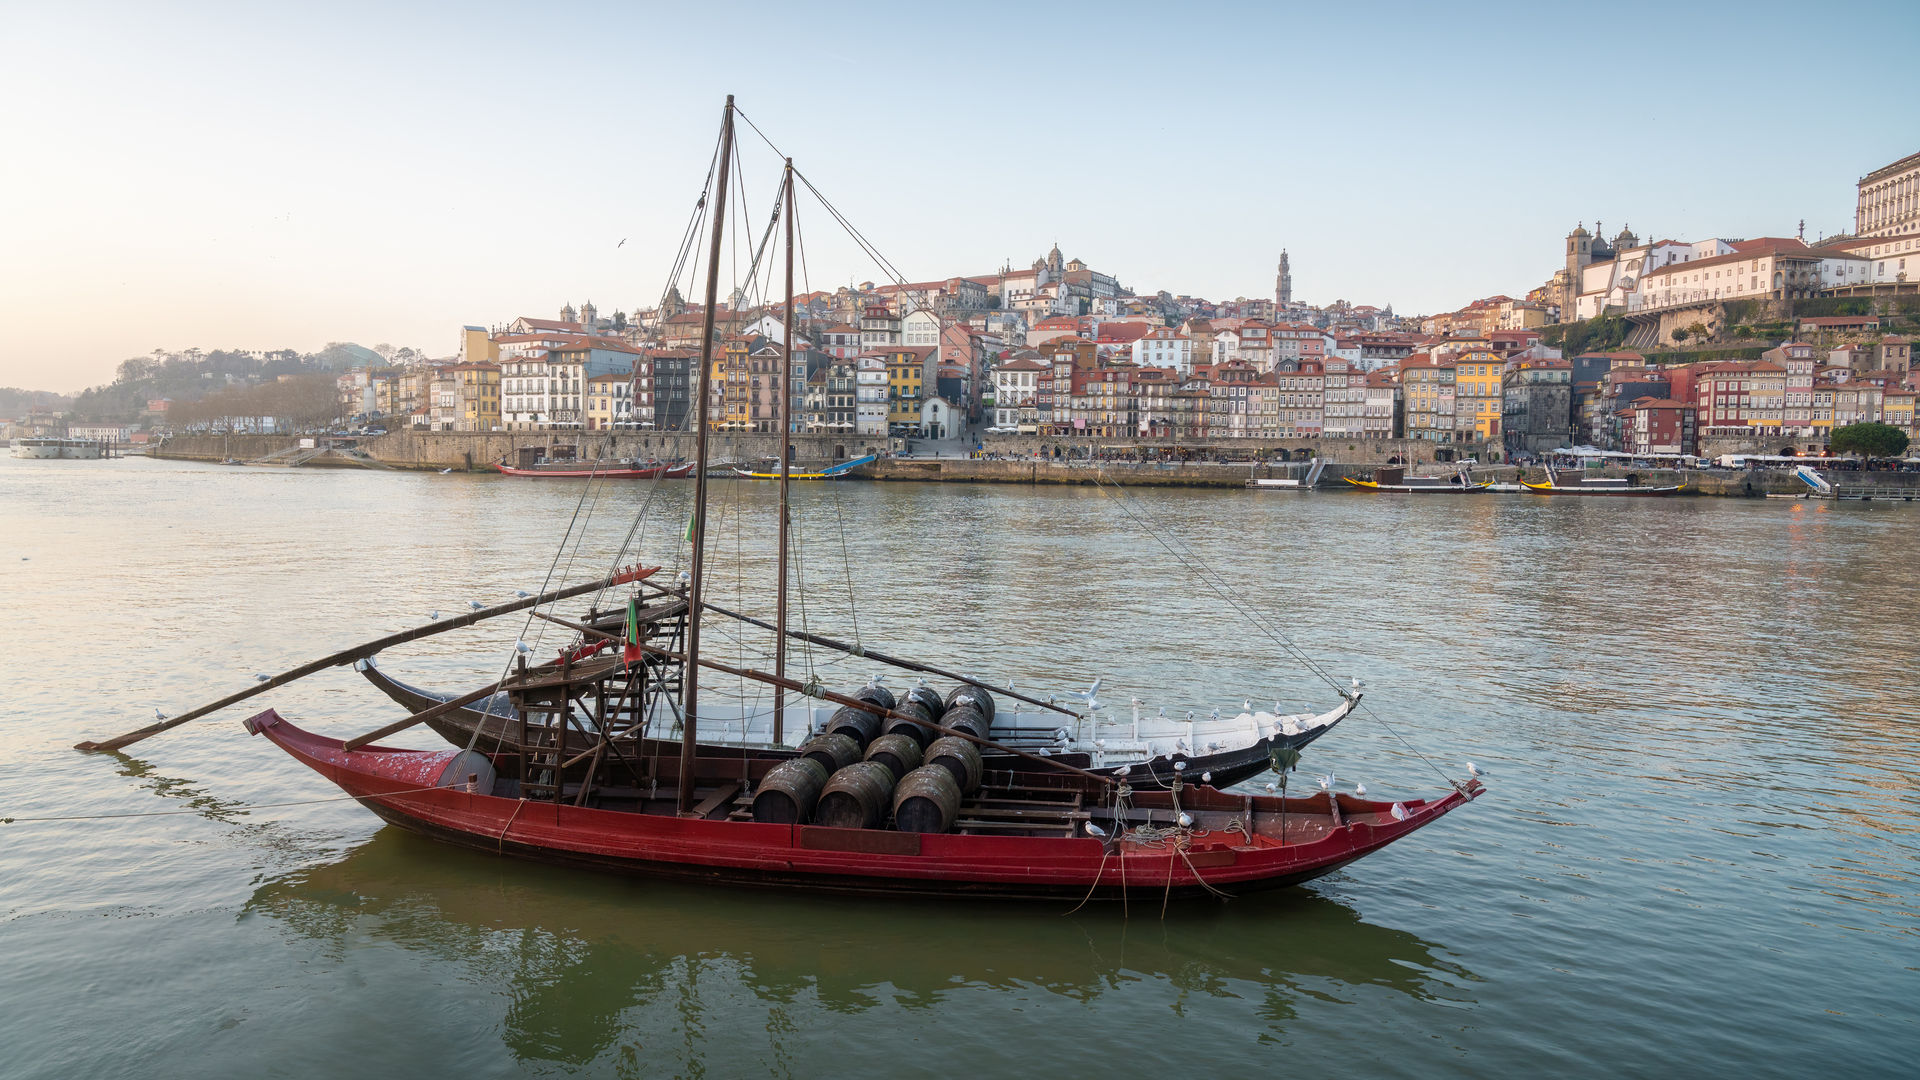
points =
(1234, 843)
(579, 470)
(913, 809)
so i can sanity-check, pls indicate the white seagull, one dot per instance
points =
(262, 678)
(1359, 789)
(433, 615)
(1474, 769)
(1095, 830)
(1327, 782)
(158, 715)
(476, 605)
(1399, 812)
(522, 593)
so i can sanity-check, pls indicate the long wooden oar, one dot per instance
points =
(424, 715)
(360, 652)
(878, 657)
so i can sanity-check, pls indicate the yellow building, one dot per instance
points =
(728, 410)
(479, 393)
(910, 378)
(1478, 394)
(1897, 408)
(607, 401)
(477, 346)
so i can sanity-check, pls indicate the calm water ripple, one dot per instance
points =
(1698, 854)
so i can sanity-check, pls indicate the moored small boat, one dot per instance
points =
(582, 470)
(1628, 486)
(1393, 479)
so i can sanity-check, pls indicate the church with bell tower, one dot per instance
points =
(1283, 283)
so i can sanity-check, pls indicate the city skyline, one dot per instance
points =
(387, 176)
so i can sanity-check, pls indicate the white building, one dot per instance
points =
(938, 420)
(870, 396)
(920, 327)
(1889, 201)
(1345, 399)
(1165, 347)
(1014, 385)
(525, 390)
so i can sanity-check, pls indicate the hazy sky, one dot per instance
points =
(252, 176)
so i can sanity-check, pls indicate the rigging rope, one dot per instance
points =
(1184, 554)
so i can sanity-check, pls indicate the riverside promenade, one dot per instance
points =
(437, 451)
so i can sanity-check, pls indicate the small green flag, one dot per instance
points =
(632, 651)
(690, 528)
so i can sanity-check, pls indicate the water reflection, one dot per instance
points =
(582, 956)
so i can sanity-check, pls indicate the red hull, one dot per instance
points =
(397, 785)
(671, 472)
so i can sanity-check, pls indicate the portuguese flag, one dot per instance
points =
(632, 650)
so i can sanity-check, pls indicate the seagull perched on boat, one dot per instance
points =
(1474, 769)
(433, 615)
(1359, 789)
(1399, 812)
(1327, 781)
(1247, 705)
(262, 678)
(1094, 830)
(1179, 766)
(1123, 770)
(476, 605)
(1271, 788)
(1185, 821)
(158, 715)
(1215, 714)
(1206, 777)
(523, 648)
(522, 593)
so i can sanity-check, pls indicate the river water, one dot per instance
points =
(1698, 852)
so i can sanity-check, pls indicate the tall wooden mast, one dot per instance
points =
(690, 677)
(784, 381)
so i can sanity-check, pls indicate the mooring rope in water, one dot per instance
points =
(203, 812)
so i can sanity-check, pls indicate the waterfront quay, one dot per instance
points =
(1029, 460)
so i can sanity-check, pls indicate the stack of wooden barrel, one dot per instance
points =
(861, 773)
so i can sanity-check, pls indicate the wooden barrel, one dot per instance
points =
(897, 752)
(856, 797)
(917, 728)
(789, 791)
(969, 693)
(927, 800)
(879, 695)
(959, 757)
(966, 718)
(928, 696)
(856, 724)
(833, 752)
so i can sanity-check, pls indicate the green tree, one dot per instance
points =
(1868, 440)
(1680, 333)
